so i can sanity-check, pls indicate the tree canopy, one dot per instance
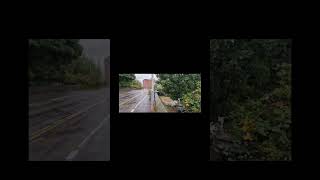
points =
(129, 80)
(184, 86)
(61, 61)
(47, 57)
(250, 86)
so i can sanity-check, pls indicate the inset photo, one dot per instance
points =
(160, 93)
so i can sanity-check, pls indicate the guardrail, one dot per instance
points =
(156, 102)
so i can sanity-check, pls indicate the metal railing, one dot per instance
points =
(156, 102)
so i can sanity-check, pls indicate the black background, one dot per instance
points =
(130, 31)
(159, 137)
(163, 138)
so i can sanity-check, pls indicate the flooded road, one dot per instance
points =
(134, 100)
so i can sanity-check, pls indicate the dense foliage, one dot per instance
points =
(251, 87)
(60, 61)
(129, 80)
(82, 71)
(184, 86)
(47, 58)
(136, 84)
(126, 77)
(192, 100)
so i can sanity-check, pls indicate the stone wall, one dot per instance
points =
(159, 107)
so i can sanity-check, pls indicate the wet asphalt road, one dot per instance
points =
(75, 128)
(134, 100)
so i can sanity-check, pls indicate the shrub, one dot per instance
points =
(136, 84)
(84, 72)
(263, 125)
(192, 100)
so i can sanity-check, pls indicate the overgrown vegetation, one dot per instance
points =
(82, 71)
(192, 100)
(251, 87)
(129, 80)
(186, 87)
(60, 61)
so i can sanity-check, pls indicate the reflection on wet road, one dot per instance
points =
(72, 126)
(133, 100)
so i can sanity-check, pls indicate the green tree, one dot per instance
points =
(263, 125)
(176, 85)
(126, 80)
(192, 100)
(48, 57)
(243, 68)
(250, 86)
(136, 84)
(184, 86)
(82, 71)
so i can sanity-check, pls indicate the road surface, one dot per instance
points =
(134, 100)
(72, 126)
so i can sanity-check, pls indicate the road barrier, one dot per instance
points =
(156, 102)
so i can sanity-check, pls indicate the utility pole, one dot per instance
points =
(153, 94)
(152, 82)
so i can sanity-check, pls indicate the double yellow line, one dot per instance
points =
(37, 134)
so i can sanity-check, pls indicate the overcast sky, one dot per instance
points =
(96, 47)
(141, 77)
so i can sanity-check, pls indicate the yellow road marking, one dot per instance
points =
(51, 126)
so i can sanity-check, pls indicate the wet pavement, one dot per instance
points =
(134, 100)
(75, 127)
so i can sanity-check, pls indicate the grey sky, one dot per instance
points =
(96, 47)
(97, 50)
(141, 77)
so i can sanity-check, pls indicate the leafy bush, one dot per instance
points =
(48, 56)
(127, 80)
(263, 126)
(176, 85)
(242, 69)
(184, 86)
(136, 84)
(192, 100)
(82, 71)
(159, 88)
(251, 86)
